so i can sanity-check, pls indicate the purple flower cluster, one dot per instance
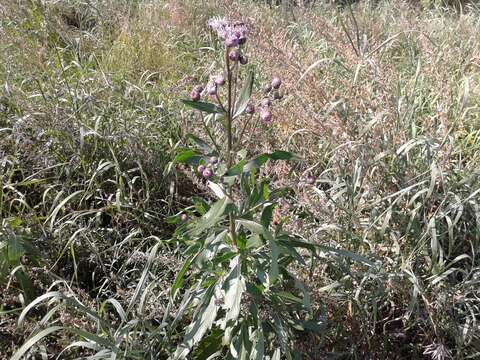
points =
(231, 33)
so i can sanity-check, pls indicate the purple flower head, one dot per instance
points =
(233, 55)
(265, 102)
(310, 180)
(232, 41)
(207, 173)
(233, 34)
(243, 59)
(184, 217)
(220, 80)
(266, 116)
(276, 82)
(195, 95)
(200, 169)
(250, 109)
(212, 90)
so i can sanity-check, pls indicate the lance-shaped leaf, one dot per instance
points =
(245, 167)
(210, 218)
(199, 327)
(208, 108)
(244, 96)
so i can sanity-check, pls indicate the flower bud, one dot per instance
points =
(277, 95)
(265, 102)
(200, 169)
(250, 109)
(198, 88)
(310, 180)
(207, 173)
(266, 116)
(276, 82)
(233, 55)
(243, 59)
(220, 80)
(184, 217)
(267, 88)
(213, 160)
(212, 90)
(195, 95)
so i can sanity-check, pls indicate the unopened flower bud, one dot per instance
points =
(207, 173)
(212, 90)
(220, 80)
(267, 88)
(243, 59)
(250, 109)
(233, 55)
(200, 169)
(266, 116)
(213, 160)
(198, 88)
(310, 180)
(265, 102)
(184, 217)
(195, 95)
(276, 82)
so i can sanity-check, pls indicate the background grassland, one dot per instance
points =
(382, 102)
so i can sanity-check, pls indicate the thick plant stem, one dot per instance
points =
(230, 141)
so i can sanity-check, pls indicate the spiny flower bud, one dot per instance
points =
(276, 82)
(233, 55)
(220, 80)
(250, 109)
(184, 217)
(213, 160)
(200, 169)
(243, 59)
(265, 102)
(207, 173)
(266, 116)
(195, 95)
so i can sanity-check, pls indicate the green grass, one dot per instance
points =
(387, 122)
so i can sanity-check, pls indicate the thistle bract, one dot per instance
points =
(233, 55)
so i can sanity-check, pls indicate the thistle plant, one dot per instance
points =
(238, 283)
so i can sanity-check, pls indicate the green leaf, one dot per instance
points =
(209, 345)
(267, 215)
(211, 218)
(256, 163)
(199, 143)
(244, 96)
(234, 286)
(203, 321)
(209, 108)
(187, 157)
(180, 276)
